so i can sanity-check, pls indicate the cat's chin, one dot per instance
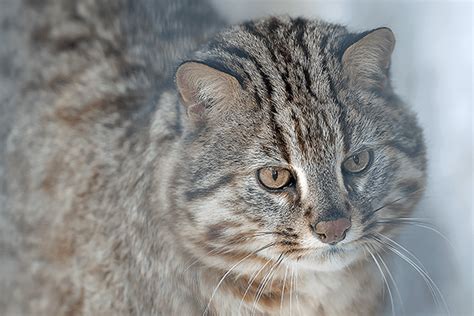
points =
(329, 260)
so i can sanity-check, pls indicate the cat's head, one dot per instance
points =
(295, 146)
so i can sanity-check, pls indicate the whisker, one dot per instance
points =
(418, 223)
(395, 201)
(393, 245)
(384, 279)
(224, 249)
(396, 244)
(393, 282)
(419, 219)
(385, 205)
(230, 270)
(219, 250)
(283, 289)
(434, 289)
(421, 272)
(252, 279)
(270, 286)
(261, 287)
(268, 233)
(433, 229)
(291, 291)
(264, 283)
(296, 291)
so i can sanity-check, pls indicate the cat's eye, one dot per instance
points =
(357, 162)
(274, 178)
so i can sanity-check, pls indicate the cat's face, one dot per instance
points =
(295, 149)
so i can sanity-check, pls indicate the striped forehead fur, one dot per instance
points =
(292, 69)
(287, 66)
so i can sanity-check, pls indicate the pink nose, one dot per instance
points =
(332, 232)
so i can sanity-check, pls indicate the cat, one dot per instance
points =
(160, 162)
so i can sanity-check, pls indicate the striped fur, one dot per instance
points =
(123, 203)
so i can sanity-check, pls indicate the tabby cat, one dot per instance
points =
(160, 163)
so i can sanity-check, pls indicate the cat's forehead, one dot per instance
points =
(278, 57)
(297, 76)
(281, 60)
(292, 70)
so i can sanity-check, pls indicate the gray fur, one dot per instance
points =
(119, 202)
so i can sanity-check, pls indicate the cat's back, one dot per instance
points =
(80, 82)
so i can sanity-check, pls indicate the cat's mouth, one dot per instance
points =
(329, 258)
(311, 254)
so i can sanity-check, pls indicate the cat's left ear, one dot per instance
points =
(366, 62)
(205, 90)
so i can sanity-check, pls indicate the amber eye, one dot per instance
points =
(274, 178)
(358, 162)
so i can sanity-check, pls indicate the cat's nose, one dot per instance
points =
(332, 232)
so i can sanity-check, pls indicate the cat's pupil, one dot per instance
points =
(355, 158)
(274, 174)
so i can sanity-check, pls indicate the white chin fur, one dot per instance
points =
(329, 262)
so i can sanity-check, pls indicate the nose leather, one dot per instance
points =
(332, 232)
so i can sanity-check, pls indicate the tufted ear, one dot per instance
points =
(204, 89)
(366, 62)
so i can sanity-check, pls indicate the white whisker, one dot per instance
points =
(252, 279)
(264, 283)
(393, 282)
(230, 270)
(419, 222)
(296, 291)
(396, 244)
(283, 289)
(433, 229)
(291, 291)
(225, 248)
(434, 289)
(384, 279)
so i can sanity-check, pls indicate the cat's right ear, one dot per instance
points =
(205, 90)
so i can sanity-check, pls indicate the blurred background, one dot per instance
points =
(432, 70)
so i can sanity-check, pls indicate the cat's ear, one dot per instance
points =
(205, 89)
(366, 62)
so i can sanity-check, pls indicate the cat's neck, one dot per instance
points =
(286, 289)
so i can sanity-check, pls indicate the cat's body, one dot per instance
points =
(122, 200)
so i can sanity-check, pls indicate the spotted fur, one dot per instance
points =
(131, 190)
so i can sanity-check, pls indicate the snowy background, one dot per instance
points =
(432, 70)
